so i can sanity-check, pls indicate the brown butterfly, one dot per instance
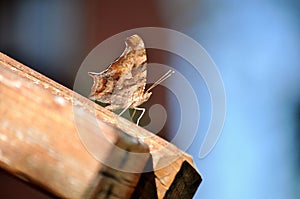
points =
(122, 84)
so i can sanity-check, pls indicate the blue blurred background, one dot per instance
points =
(255, 44)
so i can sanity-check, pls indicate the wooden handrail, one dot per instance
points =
(74, 148)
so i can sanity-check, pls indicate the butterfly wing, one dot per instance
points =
(123, 83)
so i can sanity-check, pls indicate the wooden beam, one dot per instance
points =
(74, 148)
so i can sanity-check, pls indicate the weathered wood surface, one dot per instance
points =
(40, 139)
(50, 136)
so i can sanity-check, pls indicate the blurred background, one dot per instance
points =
(255, 44)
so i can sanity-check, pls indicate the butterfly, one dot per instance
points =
(122, 84)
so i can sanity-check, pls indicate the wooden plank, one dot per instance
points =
(170, 171)
(40, 140)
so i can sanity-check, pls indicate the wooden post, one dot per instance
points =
(74, 148)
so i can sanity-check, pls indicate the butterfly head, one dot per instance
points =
(146, 96)
(138, 101)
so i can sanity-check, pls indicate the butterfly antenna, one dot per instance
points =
(161, 79)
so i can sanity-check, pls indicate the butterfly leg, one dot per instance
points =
(127, 107)
(143, 111)
(134, 111)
